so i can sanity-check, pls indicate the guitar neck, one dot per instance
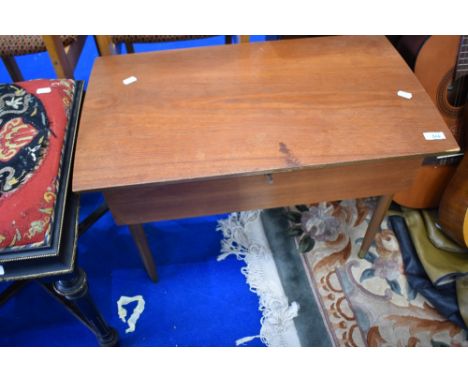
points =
(461, 67)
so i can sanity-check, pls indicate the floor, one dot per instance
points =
(198, 300)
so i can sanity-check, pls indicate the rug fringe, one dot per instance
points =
(245, 238)
(242, 341)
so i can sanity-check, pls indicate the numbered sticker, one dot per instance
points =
(434, 135)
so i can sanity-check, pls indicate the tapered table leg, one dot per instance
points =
(139, 236)
(374, 225)
(72, 290)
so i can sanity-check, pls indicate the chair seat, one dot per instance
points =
(15, 45)
(34, 135)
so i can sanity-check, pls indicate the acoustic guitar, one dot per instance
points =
(441, 65)
(453, 208)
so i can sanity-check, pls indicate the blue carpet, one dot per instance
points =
(197, 302)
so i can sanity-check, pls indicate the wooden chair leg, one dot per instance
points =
(129, 47)
(12, 68)
(59, 58)
(374, 225)
(104, 45)
(139, 236)
(72, 291)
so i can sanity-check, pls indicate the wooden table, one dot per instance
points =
(239, 127)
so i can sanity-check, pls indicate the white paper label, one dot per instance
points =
(43, 90)
(434, 135)
(403, 94)
(2, 271)
(129, 80)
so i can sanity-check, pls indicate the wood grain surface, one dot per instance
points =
(149, 203)
(217, 112)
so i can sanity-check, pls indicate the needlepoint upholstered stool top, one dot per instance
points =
(34, 130)
(38, 213)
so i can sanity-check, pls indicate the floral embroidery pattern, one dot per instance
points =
(24, 136)
(31, 154)
(14, 135)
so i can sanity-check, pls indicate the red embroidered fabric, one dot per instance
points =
(32, 134)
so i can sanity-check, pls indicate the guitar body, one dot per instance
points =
(434, 67)
(453, 209)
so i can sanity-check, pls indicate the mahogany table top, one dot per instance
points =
(235, 110)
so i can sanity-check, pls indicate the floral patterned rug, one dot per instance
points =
(363, 302)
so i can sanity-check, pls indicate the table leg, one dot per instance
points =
(382, 207)
(139, 236)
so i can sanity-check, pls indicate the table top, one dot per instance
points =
(222, 111)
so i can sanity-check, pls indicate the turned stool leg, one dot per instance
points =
(72, 291)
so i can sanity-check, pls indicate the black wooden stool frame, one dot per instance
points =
(71, 290)
(54, 266)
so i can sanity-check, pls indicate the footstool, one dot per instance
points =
(38, 212)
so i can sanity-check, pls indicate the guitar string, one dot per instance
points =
(460, 83)
(463, 45)
(464, 48)
(457, 83)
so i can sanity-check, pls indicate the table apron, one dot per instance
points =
(140, 204)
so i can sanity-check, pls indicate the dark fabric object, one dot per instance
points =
(409, 47)
(443, 298)
(394, 39)
(462, 297)
(437, 237)
(309, 323)
(441, 266)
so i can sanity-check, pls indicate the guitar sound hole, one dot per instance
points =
(457, 92)
(449, 94)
